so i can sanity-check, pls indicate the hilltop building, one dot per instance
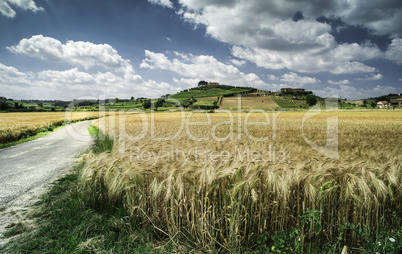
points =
(213, 84)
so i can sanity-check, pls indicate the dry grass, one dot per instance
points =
(14, 126)
(358, 102)
(249, 102)
(181, 187)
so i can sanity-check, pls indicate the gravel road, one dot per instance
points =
(27, 169)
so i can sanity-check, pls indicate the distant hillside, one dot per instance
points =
(370, 102)
(216, 96)
(388, 97)
(11, 105)
(207, 97)
(213, 91)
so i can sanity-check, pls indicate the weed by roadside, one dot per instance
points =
(102, 143)
(15, 229)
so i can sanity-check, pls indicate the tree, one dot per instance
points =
(311, 99)
(4, 105)
(202, 83)
(147, 104)
(159, 103)
(132, 98)
(373, 104)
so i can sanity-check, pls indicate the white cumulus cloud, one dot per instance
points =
(73, 83)
(372, 77)
(266, 33)
(10, 75)
(7, 7)
(339, 60)
(340, 82)
(85, 54)
(201, 67)
(294, 78)
(164, 3)
(238, 62)
(272, 77)
(382, 17)
(394, 51)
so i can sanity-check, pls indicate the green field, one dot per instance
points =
(301, 103)
(212, 92)
(204, 103)
(284, 102)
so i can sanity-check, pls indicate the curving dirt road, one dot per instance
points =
(27, 169)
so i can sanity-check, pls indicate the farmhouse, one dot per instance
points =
(213, 84)
(396, 103)
(382, 104)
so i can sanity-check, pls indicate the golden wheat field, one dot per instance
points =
(14, 126)
(220, 180)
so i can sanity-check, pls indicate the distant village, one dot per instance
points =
(397, 103)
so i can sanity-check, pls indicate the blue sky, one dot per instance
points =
(66, 49)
